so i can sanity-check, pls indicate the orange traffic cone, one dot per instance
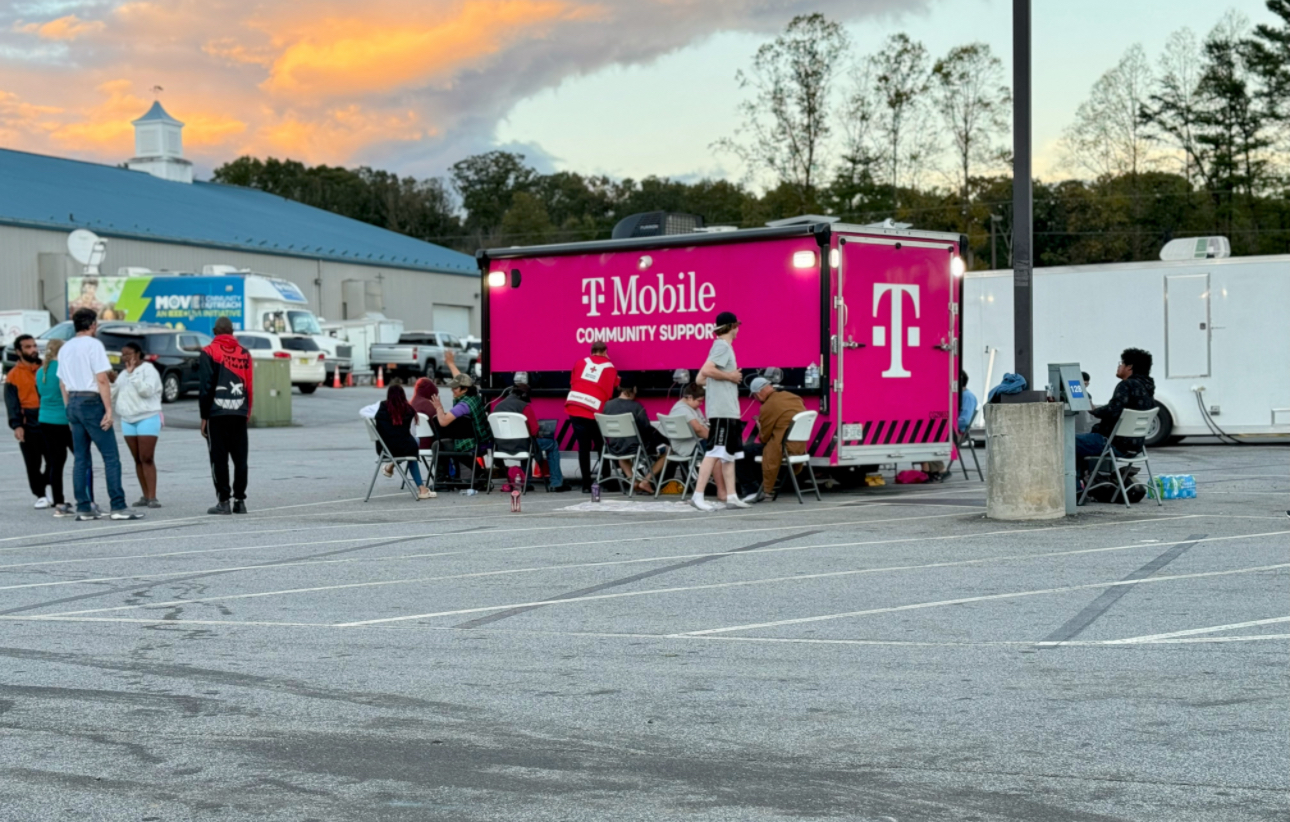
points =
(335, 383)
(349, 380)
(380, 377)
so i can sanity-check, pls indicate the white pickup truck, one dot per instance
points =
(421, 354)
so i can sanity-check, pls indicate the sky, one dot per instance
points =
(626, 88)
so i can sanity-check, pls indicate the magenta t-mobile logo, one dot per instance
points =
(900, 335)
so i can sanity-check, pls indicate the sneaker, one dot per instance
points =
(427, 494)
(702, 504)
(733, 501)
(141, 502)
(239, 506)
(93, 513)
(561, 489)
(126, 513)
(758, 496)
(41, 502)
(220, 508)
(64, 510)
(154, 503)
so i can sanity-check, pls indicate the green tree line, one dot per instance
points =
(1190, 145)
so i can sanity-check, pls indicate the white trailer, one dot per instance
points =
(1219, 332)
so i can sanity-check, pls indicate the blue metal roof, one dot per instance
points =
(37, 191)
(156, 113)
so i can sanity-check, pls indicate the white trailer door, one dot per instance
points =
(452, 319)
(1187, 325)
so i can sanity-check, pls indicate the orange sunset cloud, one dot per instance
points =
(63, 28)
(409, 84)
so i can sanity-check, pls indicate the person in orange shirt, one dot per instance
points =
(22, 401)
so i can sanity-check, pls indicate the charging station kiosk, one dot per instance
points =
(1066, 385)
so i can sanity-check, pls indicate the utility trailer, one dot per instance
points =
(1218, 331)
(862, 322)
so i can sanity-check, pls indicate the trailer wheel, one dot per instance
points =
(1162, 428)
(308, 388)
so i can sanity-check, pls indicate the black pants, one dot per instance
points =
(226, 437)
(58, 444)
(748, 473)
(587, 434)
(33, 454)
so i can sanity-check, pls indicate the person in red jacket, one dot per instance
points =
(592, 383)
(224, 401)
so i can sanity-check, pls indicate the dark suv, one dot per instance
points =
(175, 354)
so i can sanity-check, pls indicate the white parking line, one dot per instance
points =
(690, 535)
(455, 516)
(798, 577)
(1193, 631)
(984, 598)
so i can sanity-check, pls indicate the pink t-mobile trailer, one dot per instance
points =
(862, 322)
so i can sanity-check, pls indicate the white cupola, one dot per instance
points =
(159, 146)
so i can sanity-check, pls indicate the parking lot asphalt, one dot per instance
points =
(885, 654)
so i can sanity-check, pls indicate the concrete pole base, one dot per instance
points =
(1025, 454)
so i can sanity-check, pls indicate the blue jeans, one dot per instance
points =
(414, 469)
(1090, 445)
(550, 450)
(85, 416)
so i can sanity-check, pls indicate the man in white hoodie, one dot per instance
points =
(136, 399)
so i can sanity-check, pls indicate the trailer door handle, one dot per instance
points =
(850, 343)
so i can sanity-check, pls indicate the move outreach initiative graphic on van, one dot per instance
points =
(182, 302)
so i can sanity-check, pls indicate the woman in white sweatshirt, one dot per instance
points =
(136, 400)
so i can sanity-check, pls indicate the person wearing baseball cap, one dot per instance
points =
(721, 376)
(466, 422)
(777, 410)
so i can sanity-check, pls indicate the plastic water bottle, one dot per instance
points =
(469, 492)
(595, 492)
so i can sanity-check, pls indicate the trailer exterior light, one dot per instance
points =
(957, 266)
(497, 279)
(645, 262)
(834, 258)
(803, 259)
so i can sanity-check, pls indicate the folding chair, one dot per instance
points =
(430, 456)
(964, 441)
(620, 426)
(384, 457)
(684, 448)
(799, 431)
(1131, 424)
(511, 426)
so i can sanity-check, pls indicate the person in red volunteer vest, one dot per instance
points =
(592, 383)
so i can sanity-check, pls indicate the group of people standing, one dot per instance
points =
(69, 399)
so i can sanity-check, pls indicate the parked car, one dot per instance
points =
(64, 331)
(308, 361)
(420, 354)
(175, 354)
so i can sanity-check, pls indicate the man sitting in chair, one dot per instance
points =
(626, 403)
(777, 411)
(1136, 391)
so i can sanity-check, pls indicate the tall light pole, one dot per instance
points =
(1022, 198)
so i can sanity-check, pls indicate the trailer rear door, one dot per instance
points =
(897, 347)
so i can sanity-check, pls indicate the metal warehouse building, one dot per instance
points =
(154, 216)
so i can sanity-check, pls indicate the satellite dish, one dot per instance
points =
(80, 244)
